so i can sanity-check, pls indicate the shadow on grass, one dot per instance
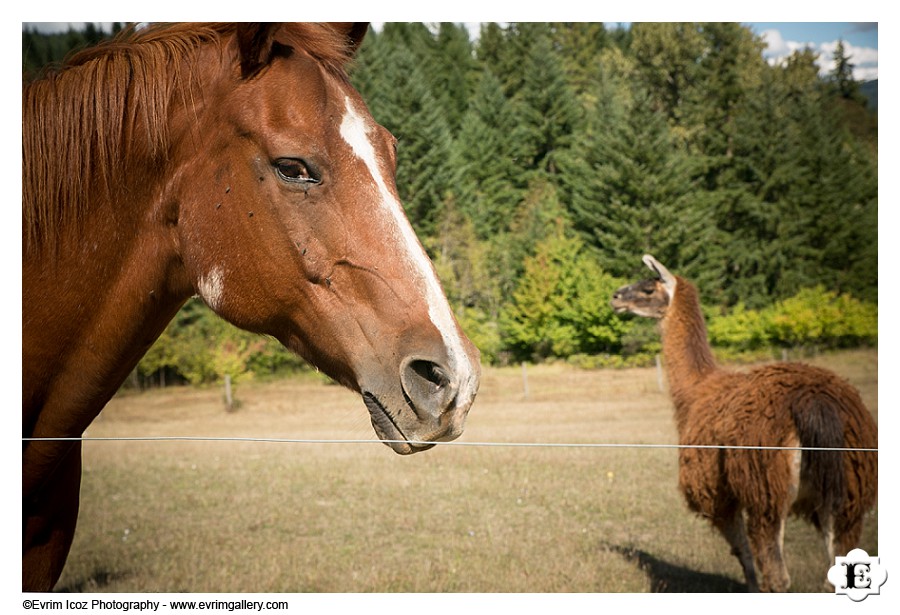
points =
(99, 580)
(670, 578)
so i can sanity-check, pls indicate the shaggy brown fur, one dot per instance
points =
(747, 493)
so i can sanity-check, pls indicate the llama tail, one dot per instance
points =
(819, 425)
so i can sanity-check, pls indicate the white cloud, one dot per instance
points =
(777, 46)
(864, 59)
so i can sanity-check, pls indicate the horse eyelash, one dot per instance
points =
(313, 175)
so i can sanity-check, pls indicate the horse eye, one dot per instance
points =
(296, 171)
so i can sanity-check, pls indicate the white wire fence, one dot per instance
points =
(454, 443)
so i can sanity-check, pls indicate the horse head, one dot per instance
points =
(288, 223)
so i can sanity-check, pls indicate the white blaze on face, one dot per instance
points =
(355, 131)
(210, 288)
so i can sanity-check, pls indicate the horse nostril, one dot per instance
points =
(429, 386)
(430, 372)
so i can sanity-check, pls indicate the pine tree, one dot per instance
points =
(491, 48)
(505, 51)
(485, 158)
(629, 185)
(537, 216)
(579, 45)
(463, 265)
(453, 71)
(667, 57)
(730, 68)
(749, 247)
(844, 87)
(561, 305)
(812, 186)
(841, 196)
(547, 109)
(841, 76)
(390, 77)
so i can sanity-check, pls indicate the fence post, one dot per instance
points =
(229, 404)
(525, 379)
(659, 374)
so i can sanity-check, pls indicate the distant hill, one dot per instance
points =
(870, 91)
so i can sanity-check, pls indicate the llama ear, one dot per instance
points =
(665, 276)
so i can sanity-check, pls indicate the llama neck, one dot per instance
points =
(688, 356)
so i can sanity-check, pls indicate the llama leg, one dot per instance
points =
(839, 542)
(847, 538)
(829, 538)
(827, 528)
(735, 532)
(766, 541)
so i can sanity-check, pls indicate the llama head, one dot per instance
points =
(648, 298)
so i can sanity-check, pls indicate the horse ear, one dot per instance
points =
(665, 276)
(255, 43)
(353, 32)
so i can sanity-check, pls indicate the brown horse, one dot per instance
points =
(237, 163)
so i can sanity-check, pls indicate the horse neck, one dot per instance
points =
(101, 273)
(92, 306)
(688, 356)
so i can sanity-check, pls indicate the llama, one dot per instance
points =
(748, 493)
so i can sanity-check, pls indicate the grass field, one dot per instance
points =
(174, 516)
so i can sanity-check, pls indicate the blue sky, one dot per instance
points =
(860, 41)
(783, 38)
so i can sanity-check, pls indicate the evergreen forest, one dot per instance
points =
(539, 161)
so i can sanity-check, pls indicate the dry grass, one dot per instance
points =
(283, 517)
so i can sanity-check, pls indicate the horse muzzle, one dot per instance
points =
(429, 406)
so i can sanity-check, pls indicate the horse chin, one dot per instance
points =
(387, 430)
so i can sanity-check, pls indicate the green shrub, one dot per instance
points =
(483, 331)
(611, 361)
(561, 306)
(812, 317)
(742, 328)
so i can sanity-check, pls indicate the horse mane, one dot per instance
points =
(105, 112)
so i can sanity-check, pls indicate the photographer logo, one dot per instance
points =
(857, 575)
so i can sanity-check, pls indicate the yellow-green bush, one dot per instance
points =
(812, 317)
